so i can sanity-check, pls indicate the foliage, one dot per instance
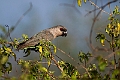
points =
(33, 70)
(104, 69)
(80, 2)
(5, 53)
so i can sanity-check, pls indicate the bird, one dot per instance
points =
(47, 34)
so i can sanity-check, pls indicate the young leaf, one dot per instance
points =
(40, 49)
(79, 2)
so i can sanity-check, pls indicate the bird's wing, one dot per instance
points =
(34, 40)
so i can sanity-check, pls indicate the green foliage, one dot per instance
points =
(69, 71)
(84, 57)
(33, 70)
(79, 2)
(113, 31)
(44, 48)
(102, 63)
(5, 53)
(115, 74)
(94, 72)
(101, 37)
(25, 37)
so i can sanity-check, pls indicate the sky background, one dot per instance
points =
(47, 13)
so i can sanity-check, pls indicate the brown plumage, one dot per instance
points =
(47, 34)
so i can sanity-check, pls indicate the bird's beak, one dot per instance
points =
(65, 33)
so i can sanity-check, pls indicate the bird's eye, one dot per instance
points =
(63, 29)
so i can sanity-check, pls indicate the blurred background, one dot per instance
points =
(47, 13)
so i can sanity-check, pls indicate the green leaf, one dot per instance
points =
(44, 69)
(54, 48)
(79, 2)
(9, 68)
(4, 59)
(102, 66)
(92, 67)
(102, 42)
(102, 63)
(116, 10)
(40, 49)
(83, 57)
(85, 1)
(101, 37)
(14, 55)
(118, 53)
(115, 73)
(25, 37)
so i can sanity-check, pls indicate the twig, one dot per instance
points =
(47, 63)
(56, 63)
(8, 34)
(86, 71)
(67, 54)
(111, 54)
(23, 15)
(97, 8)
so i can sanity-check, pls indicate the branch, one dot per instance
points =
(23, 15)
(101, 9)
(56, 63)
(97, 8)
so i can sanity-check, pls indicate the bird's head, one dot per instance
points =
(64, 31)
(58, 30)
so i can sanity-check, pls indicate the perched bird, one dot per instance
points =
(47, 34)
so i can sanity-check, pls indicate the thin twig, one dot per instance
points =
(86, 71)
(9, 33)
(97, 8)
(56, 63)
(67, 54)
(23, 15)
